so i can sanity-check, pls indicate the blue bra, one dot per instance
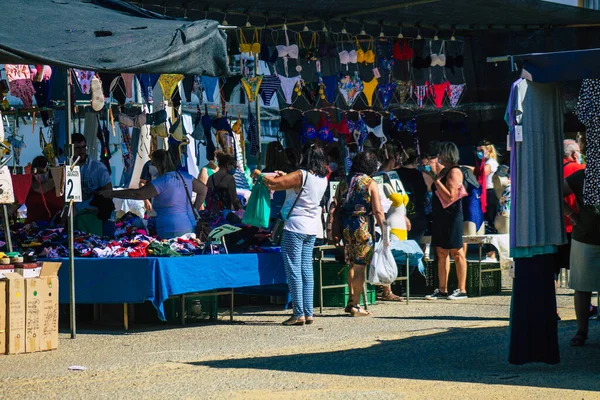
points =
(308, 131)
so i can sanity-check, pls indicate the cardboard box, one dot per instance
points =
(2, 317)
(15, 313)
(27, 271)
(6, 268)
(42, 309)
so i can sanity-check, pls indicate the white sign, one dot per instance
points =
(333, 185)
(7, 195)
(73, 185)
(221, 231)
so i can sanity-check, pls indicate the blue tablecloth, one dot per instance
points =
(403, 248)
(135, 280)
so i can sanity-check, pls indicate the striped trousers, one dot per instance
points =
(297, 251)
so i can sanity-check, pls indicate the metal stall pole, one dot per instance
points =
(7, 228)
(69, 154)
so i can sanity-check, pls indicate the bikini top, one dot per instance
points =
(378, 130)
(454, 61)
(287, 51)
(348, 57)
(359, 129)
(246, 47)
(308, 131)
(402, 51)
(327, 48)
(265, 55)
(421, 62)
(409, 126)
(310, 52)
(367, 57)
(324, 133)
(399, 199)
(342, 126)
(438, 60)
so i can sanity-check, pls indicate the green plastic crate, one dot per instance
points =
(491, 283)
(336, 273)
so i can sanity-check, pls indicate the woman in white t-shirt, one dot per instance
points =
(301, 228)
(486, 151)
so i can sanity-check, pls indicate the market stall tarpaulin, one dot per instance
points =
(79, 34)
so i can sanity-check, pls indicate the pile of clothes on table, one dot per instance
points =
(131, 240)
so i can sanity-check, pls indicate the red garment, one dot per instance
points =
(38, 211)
(21, 185)
(482, 179)
(569, 168)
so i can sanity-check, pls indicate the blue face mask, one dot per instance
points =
(424, 168)
(480, 155)
(231, 171)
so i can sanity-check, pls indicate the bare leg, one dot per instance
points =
(351, 275)
(582, 304)
(443, 260)
(358, 282)
(461, 268)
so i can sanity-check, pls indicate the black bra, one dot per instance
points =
(454, 61)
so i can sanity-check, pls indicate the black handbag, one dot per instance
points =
(277, 231)
(202, 228)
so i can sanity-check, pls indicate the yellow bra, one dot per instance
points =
(399, 199)
(367, 57)
(246, 47)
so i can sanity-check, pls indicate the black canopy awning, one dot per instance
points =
(79, 34)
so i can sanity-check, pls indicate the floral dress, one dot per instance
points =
(358, 240)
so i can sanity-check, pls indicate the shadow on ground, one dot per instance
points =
(460, 354)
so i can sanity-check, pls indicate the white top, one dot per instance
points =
(306, 215)
(494, 167)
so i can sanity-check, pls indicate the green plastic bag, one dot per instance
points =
(258, 209)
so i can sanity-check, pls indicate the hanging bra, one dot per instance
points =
(454, 61)
(342, 126)
(378, 130)
(348, 57)
(265, 54)
(287, 51)
(308, 131)
(310, 52)
(367, 57)
(421, 62)
(246, 47)
(402, 51)
(323, 133)
(438, 60)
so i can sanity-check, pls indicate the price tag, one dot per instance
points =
(6, 189)
(379, 179)
(221, 231)
(73, 185)
(332, 190)
(518, 133)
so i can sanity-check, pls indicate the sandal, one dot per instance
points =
(579, 339)
(391, 297)
(358, 311)
(349, 307)
(309, 320)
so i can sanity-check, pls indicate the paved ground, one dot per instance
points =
(426, 350)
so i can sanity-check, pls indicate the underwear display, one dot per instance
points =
(209, 84)
(168, 83)
(147, 83)
(350, 87)
(289, 86)
(268, 87)
(386, 92)
(84, 80)
(454, 93)
(369, 90)
(438, 92)
(228, 86)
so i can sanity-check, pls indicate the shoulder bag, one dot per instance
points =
(277, 231)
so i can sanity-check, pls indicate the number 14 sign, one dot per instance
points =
(73, 184)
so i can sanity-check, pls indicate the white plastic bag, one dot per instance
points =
(383, 270)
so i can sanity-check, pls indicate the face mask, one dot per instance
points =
(333, 167)
(480, 155)
(580, 158)
(153, 171)
(44, 177)
(424, 168)
(231, 171)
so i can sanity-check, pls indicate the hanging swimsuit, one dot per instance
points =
(454, 62)
(251, 87)
(265, 55)
(289, 86)
(246, 47)
(19, 79)
(342, 126)
(268, 87)
(287, 51)
(420, 92)
(252, 133)
(402, 51)
(386, 92)
(229, 85)
(147, 82)
(207, 125)
(327, 47)
(168, 83)
(308, 131)
(351, 88)
(128, 81)
(438, 60)
(366, 57)
(324, 133)
(329, 86)
(310, 52)
(369, 90)
(384, 53)
(360, 129)
(84, 79)
(209, 84)
(403, 89)
(378, 130)
(348, 57)
(438, 92)
(421, 62)
(454, 93)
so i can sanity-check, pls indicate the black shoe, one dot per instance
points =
(458, 295)
(437, 295)
(593, 311)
